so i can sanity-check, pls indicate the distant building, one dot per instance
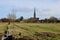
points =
(35, 15)
(34, 18)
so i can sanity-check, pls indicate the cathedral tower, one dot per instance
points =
(34, 13)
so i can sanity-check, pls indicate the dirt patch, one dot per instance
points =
(48, 34)
(26, 38)
(1, 35)
(10, 38)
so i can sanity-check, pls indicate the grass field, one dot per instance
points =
(29, 29)
(42, 27)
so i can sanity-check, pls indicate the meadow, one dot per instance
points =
(29, 29)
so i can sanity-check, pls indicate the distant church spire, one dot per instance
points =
(34, 13)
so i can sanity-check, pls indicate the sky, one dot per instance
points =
(25, 8)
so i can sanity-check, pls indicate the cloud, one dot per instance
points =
(24, 10)
(44, 7)
(49, 8)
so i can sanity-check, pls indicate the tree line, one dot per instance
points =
(50, 20)
(12, 18)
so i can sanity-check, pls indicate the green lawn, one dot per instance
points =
(42, 27)
(3, 27)
(29, 29)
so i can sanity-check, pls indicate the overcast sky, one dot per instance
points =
(44, 8)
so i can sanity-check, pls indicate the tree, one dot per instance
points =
(11, 17)
(46, 20)
(21, 18)
(4, 20)
(53, 19)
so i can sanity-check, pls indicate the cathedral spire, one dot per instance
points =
(34, 13)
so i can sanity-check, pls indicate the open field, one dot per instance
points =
(3, 27)
(29, 29)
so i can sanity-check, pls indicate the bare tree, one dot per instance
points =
(12, 16)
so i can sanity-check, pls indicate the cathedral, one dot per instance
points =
(34, 18)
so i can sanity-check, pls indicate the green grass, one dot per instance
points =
(44, 27)
(3, 27)
(29, 29)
